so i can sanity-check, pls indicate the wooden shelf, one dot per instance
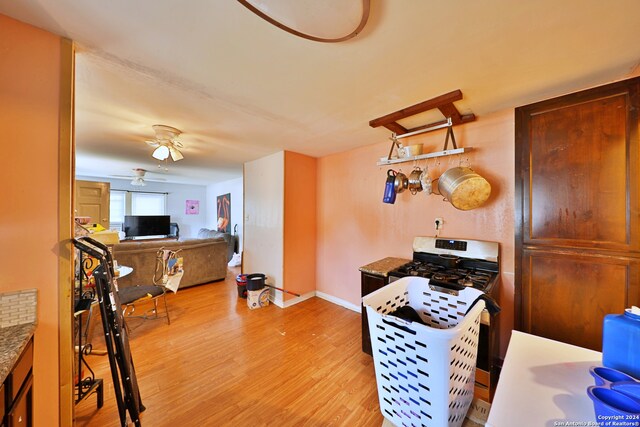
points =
(426, 156)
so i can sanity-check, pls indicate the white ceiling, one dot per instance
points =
(240, 88)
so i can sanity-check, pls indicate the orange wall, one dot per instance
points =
(299, 223)
(29, 119)
(356, 228)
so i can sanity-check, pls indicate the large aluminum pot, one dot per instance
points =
(464, 188)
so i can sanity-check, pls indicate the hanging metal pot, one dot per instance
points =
(401, 182)
(464, 188)
(415, 185)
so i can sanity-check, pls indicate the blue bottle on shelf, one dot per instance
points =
(621, 342)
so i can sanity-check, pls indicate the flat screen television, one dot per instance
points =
(146, 225)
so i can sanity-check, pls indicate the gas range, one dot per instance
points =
(453, 263)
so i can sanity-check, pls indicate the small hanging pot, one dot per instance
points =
(464, 188)
(401, 182)
(415, 184)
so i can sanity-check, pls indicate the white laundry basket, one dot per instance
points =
(425, 374)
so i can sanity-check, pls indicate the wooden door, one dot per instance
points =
(92, 199)
(577, 212)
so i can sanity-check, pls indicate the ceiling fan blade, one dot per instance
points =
(152, 143)
(175, 154)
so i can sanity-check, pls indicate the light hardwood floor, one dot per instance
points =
(221, 364)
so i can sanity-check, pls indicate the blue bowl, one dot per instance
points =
(606, 376)
(608, 402)
(630, 388)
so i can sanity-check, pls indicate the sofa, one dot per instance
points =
(205, 260)
(205, 233)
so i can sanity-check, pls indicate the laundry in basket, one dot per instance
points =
(425, 373)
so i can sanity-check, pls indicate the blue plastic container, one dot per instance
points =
(607, 402)
(630, 388)
(606, 376)
(621, 342)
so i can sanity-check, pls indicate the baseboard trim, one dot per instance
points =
(334, 300)
(338, 301)
(288, 303)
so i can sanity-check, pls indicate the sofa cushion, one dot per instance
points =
(205, 233)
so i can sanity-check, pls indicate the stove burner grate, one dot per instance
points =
(466, 276)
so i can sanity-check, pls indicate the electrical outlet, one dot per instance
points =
(439, 222)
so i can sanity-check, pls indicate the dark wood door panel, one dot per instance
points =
(578, 177)
(565, 296)
(579, 165)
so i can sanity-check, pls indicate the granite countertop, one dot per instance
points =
(383, 266)
(13, 339)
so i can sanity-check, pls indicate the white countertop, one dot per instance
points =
(543, 383)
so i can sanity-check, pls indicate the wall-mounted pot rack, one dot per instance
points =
(444, 103)
(444, 152)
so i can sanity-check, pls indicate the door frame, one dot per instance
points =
(66, 190)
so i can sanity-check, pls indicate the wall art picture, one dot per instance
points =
(224, 213)
(193, 207)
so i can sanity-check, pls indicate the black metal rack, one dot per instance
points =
(125, 383)
(84, 300)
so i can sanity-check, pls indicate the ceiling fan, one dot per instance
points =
(138, 179)
(166, 143)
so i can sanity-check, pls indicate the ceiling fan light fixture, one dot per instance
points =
(161, 153)
(166, 143)
(166, 133)
(175, 154)
(138, 181)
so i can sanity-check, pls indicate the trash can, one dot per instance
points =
(257, 292)
(241, 281)
(255, 281)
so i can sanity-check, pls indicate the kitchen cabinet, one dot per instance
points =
(369, 283)
(373, 277)
(577, 212)
(568, 293)
(17, 391)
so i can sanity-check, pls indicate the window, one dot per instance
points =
(148, 203)
(134, 203)
(117, 208)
